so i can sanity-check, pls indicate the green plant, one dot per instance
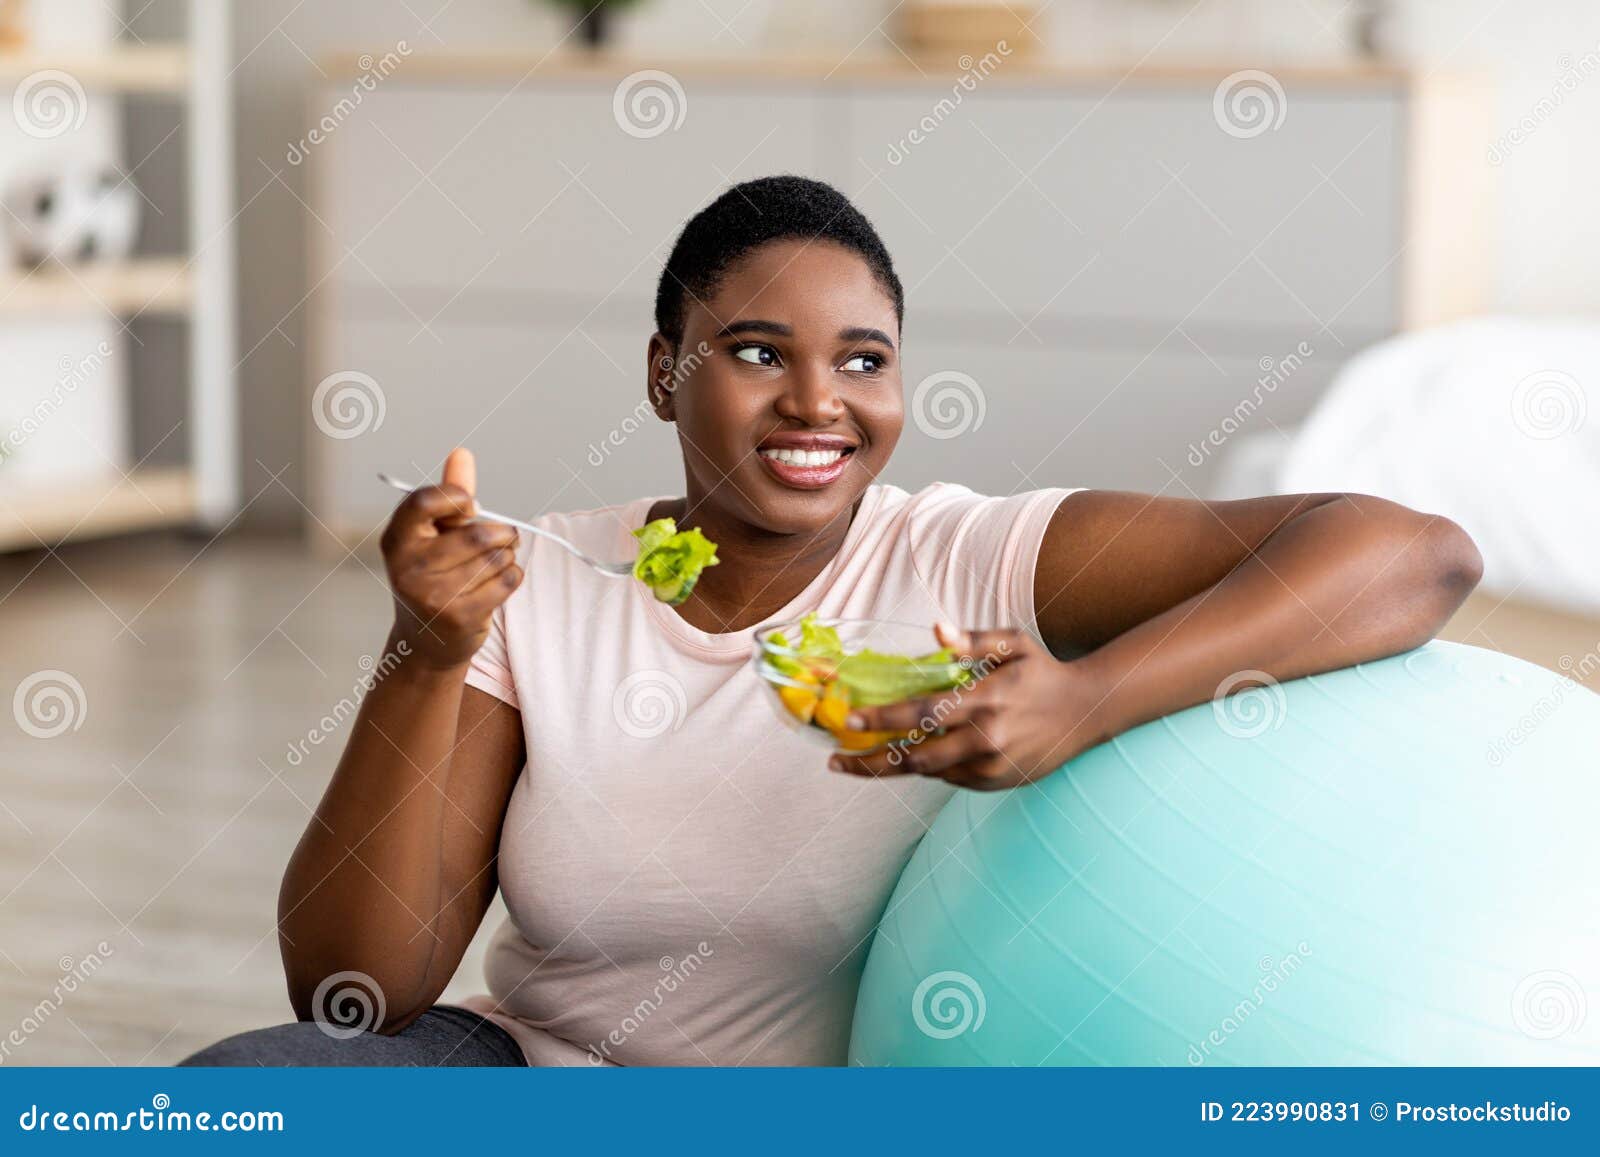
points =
(593, 17)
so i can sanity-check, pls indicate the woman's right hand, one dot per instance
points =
(447, 572)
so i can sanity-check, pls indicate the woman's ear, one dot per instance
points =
(662, 376)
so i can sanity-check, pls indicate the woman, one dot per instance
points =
(702, 891)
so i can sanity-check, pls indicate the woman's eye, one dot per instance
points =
(757, 355)
(864, 364)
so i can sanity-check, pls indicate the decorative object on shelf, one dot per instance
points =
(13, 25)
(74, 216)
(1371, 28)
(939, 30)
(594, 19)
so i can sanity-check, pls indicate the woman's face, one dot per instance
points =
(786, 390)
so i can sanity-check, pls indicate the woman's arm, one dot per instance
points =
(1167, 598)
(396, 869)
(1155, 604)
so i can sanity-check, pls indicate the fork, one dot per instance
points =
(609, 569)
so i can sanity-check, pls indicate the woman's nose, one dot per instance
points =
(809, 396)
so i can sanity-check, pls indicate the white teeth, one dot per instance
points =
(804, 457)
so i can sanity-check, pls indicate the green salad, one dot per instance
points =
(825, 681)
(670, 560)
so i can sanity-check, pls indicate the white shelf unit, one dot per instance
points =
(197, 287)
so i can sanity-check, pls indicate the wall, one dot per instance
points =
(1549, 242)
(1540, 53)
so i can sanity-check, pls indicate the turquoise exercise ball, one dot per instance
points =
(1392, 864)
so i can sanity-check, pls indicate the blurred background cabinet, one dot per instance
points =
(1107, 263)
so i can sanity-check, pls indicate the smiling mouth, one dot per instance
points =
(806, 458)
(808, 467)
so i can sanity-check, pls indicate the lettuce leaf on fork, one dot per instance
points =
(670, 560)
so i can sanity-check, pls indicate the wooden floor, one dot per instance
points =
(160, 821)
(160, 818)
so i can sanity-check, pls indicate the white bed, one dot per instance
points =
(1486, 422)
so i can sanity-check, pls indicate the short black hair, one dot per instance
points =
(751, 214)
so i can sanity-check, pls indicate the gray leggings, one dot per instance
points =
(444, 1035)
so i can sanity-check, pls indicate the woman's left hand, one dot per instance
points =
(1027, 715)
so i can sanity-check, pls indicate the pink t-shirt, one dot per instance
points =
(687, 883)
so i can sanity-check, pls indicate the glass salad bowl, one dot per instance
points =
(820, 669)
